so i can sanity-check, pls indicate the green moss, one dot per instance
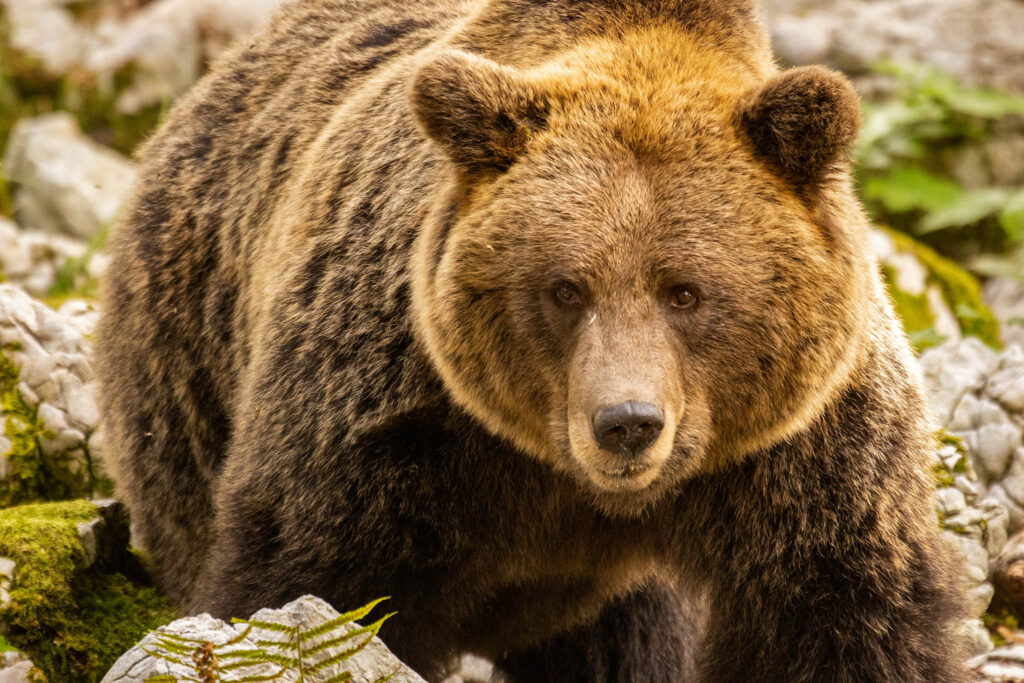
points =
(959, 288)
(72, 623)
(943, 476)
(33, 474)
(963, 464)
(914, 312)
(23, 428)
(1000, 621)
(73, 280)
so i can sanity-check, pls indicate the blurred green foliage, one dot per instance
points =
(73, 280)
(903, 158)
(28, 89)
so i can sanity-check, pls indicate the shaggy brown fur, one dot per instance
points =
(387, 261)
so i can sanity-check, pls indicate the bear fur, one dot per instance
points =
(386, 261)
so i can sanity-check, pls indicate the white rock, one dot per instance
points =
(7, 567)
(1013, 508)
(1006, 384)
(997, 522)
(950, 500)
(1013, 480)
(973, 552)
(991, 437)
(978, 40)
(51, 354)
(1006, 299)
(19, 673)
(1001, 665)
(87, 536)
(970, 489)
(975, 636)
(373, 662)
(11, 658)
(82, 315)
(979, 597)
(952, 370)
(165, 42)
(31, 258)
(66, 183)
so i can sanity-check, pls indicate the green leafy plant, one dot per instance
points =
(73, 280)
(903, 157)
(290, 650)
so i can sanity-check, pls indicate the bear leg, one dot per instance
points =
(645, 637)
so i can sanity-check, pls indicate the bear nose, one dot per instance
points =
(627, 429)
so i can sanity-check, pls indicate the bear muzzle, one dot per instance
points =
(627, 429)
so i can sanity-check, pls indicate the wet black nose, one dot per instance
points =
(628, 428)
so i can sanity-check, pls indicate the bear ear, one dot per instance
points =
(481, 113)
(802, 122)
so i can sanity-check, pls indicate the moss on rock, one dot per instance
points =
(72, 621)
(33, 474)
(960, 291)
(914, 310)
(22, 428)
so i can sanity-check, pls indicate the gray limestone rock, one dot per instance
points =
(977, 395)
(51, 352)
(150, 658)
(1005, 297)
(977, 40)
(1004, 664)
(65, 182)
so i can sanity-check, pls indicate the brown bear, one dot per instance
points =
(553, 320)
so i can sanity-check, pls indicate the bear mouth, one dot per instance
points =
(627, 478)
(627, 472)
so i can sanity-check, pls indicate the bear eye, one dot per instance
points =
(684, 296)
(568, 294)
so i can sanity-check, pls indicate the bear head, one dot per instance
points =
(648, 261)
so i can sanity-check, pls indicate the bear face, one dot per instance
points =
(623, 226)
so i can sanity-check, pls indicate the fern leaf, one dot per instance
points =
(269, 626)
(354, 615)
(373, 629)
(176, 648)
(166, 657)
(340, 657)
(253, 657)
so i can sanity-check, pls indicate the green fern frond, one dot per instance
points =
(252, 657)
(373, 629)
(341, 620)
(290, 649)
(268, 626)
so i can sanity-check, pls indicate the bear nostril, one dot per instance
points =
(627, 429)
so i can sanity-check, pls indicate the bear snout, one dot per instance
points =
(629, 428)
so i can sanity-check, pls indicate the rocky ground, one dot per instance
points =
(72, 595)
